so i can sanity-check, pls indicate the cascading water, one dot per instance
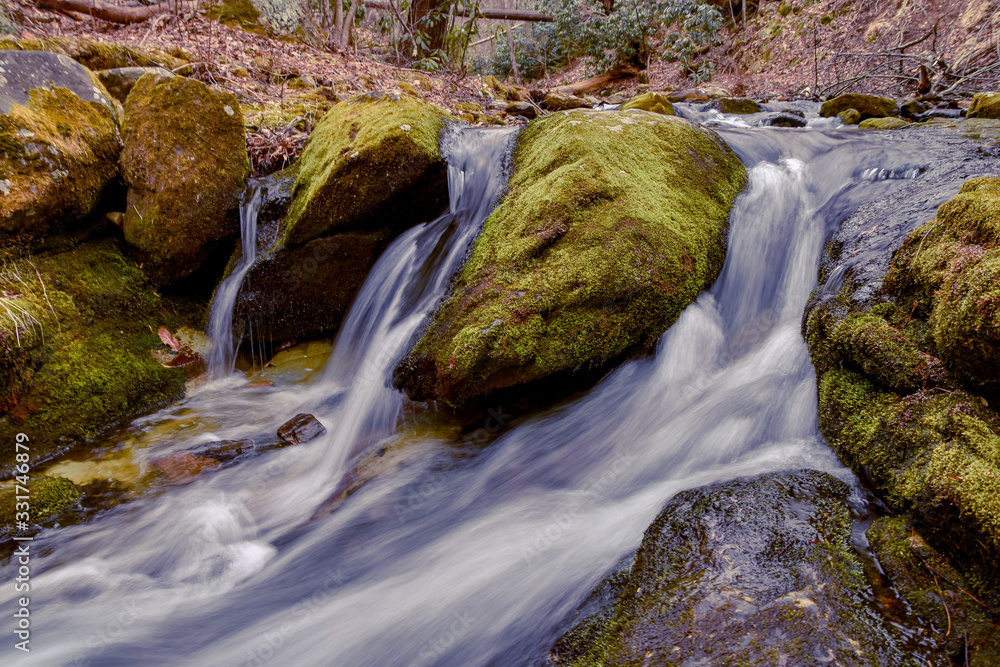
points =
(222, 357)
(468, 555)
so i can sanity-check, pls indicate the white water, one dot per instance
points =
(222, 357)
(466, 556)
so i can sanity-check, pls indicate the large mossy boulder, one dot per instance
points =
(185, 163)
(984, 105)
(372, 162)
(58, 145)
(755, 572)
(76, 333)
(868, 106)
(652, 101)
(613, 223)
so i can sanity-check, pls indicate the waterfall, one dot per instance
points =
(465, 555)
(222, 357)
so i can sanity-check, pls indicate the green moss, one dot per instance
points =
(46, 497)
(93, 54)
(185, 162)
(372, 159)
(655, 102)
(53, 177)
(985, 105)
(869, 343)
(736, 105)
(890, 123)
(89, 365)
(614, 222)
(868, 106)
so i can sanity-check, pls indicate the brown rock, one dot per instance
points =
(301, 428)
(183, 467)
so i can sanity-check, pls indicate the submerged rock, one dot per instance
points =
(183, 467)
(868, 106)
(614, 222)
(185, 164)
(300, 429)
(372, 162)
(985, 105)
(755, 572)
(58, 145)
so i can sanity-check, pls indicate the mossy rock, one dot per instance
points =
(93, 54)
(751, 572)
(950, 267)
(736, 105)
(984, 105)
(58, 145)
(889, 123)
(935, 591)
(47, 497)
(936, 455)
(295, 21)
(849, 116)
(81, 362)
(185, 163)
(120, 81)
(869, 106)
(614, 222)
(655, 102)
(372, 160)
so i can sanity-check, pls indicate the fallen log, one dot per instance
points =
(498, 14)
(115, 13)
(595, 83)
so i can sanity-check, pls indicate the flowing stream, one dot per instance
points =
(469, 555)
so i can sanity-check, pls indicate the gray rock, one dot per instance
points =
(24, 71)
(121, 80)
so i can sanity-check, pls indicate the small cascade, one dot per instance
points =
(222, 358)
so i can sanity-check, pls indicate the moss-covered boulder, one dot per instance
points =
(121, 80)
(951, 268)
(850, 116)
(76, 330)
(185, 163)
(869, 106)
(755, 572)
(47, 497)
(58, 145)
(984, 105)
(96, 55)
(736, 105)
(890, 123)
(373, 161)
(936, 592)
(655, 102)
(614, 222)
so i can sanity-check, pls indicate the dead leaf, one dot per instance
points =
(168, 339)
(184, 357)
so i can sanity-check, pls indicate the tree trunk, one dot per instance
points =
(114, 13)
(428, 18)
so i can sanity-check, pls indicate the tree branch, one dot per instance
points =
(114, 13)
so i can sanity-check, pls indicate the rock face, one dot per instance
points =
(75, 347)
(58, 145)
(868, 106)
(905, 390)
(756, 572)
(614, 222)
(985, 105)
(185, 164)
(655, 102)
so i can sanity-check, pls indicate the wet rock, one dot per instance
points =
(849, 116)
(752, 572)
(121, 80)
(868, 106)
(883, 124)
(912, 109)
(371, 162)
(225, 451)
(523, 109)
(184, 160)
(557, 102)
(940, 113)
(736, 105)
(655, 102)
(58, 145)
(985, 105)
(82, 361)
(49, 496)
(183, 467)
(782, 119)
(305, 292)
(935, 592)
(615, 222)
(301, 429)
